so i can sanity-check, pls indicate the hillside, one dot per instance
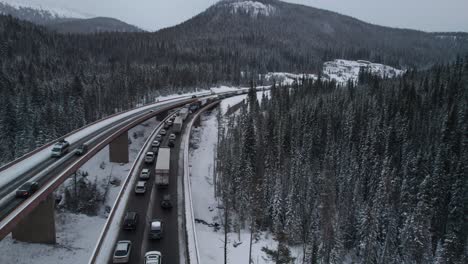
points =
(69, 85)
(93, 25)
(62, 19)
(272, 34)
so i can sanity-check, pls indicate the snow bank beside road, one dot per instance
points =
(205, 205)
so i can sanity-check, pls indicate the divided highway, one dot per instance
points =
(52, 172)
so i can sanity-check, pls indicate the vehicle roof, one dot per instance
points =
(150, 153)
(166, 196)
(155, 224)
(123, 244)
(141, 183)
(145, 169)
(153, 257)
(130, 215)
(153, 253)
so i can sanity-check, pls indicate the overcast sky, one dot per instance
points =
(428, 15)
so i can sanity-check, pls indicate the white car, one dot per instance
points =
(122, 252)
(155, 144)
(145, 174)
(153, 257)
(149, 158)
(140, 187)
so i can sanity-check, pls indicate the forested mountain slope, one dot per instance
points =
(93, 25)
(52, 83)
(376, 172)
(274, 36)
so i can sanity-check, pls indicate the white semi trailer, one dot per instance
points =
(162, 167)
(177, 126)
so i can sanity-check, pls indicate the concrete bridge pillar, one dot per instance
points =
(39, 225)
(118, 149)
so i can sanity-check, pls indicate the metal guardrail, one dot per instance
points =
(192, 239)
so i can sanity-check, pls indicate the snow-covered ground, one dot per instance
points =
(77, 234)
(232, 101)
(339, 70)
(211, 242)
(344, 70)
(253, 8)
(286, 78)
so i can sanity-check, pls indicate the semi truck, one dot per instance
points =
(183, 113)
(162, 167)
(178, 122)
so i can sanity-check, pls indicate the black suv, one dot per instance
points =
(27, 189)
(166, 201)
(130, 221)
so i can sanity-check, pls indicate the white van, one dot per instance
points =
(60, 148)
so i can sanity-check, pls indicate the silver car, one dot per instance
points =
(140, 187)
(153, 257)
(156, 229)
(145, 174)
(149, 158)
(122, 252)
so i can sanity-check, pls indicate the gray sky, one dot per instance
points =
(428, 15)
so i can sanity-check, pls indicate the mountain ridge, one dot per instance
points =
(317, 34)
(64, 20)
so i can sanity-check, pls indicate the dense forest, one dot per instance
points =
(51, 83)
(376, 171)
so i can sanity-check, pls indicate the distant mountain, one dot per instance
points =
(271, 35)
(39, 14)
(62, 20)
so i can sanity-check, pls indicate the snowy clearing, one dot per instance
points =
(76, 234)
(338, 70)
(286, 78)
(343, 70)
(232, 101)
(253, 8)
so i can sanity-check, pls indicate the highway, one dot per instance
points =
(148, 207)
(52, 172)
